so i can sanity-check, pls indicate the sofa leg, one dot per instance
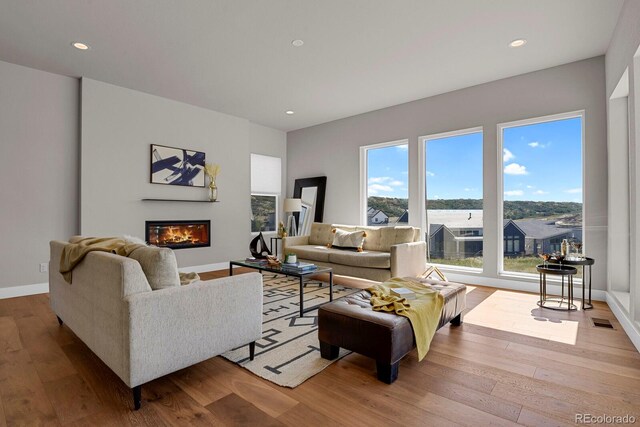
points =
(252, 350)
(457, 321)
(59, 320)
(387, 373)
(137, 396)
(328, 351)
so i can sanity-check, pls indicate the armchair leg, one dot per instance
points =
(252, 350)
(137, 396)
(59, 320)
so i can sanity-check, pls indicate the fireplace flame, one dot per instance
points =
(179, 235)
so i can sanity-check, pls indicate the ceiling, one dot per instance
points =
(236, 56)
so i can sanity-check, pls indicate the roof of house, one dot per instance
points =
(542, 229)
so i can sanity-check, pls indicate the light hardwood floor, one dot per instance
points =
(473, 375)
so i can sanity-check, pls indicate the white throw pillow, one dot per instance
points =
(348, 240)
(159, 265)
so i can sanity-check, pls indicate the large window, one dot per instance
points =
(542, 189)
(453, 198)
(266, 184)
(386, 169)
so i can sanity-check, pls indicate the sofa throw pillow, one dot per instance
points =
(159, 265)
(348, 240)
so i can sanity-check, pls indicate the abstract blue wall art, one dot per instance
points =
(176, 166)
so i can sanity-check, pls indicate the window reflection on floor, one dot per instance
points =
(518, 313)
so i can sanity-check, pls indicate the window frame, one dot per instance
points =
(364, 173)
(500, 180)
(277, 218)
(422, 188)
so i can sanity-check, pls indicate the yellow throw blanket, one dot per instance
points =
(423, 312)
(73, 253)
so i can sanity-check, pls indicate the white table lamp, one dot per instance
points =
(290, 206)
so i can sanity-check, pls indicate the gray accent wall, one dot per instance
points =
(118, 127)
(39, 139)
(332, 149)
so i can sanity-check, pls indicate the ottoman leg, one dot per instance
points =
(387, 373)
(328, 351)
(457, 321)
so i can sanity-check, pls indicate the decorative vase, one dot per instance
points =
(213, 191)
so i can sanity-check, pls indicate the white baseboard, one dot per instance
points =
(24, 290)
(632, 330)
(517, 284)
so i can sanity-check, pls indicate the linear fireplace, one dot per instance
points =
(178, 234)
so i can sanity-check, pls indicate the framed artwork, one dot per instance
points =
(176, 166)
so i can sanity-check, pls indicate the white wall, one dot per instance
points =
(39, 131)
(118, 127)
(620, 57)
(332, 149)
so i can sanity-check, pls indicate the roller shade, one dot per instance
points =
(266, 174)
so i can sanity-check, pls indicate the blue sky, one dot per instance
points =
(542, 162)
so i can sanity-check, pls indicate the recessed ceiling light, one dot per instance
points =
(290, 112)
(297, 43)
(518, 43)
(80, 46)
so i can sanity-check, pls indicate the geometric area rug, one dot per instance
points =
(288, 353)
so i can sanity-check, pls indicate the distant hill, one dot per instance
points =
(512, 209)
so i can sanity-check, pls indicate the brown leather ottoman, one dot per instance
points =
(351, 323)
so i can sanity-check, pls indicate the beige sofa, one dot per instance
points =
(143, 334)
(388, 251)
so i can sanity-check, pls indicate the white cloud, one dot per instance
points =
(467, 189)
(515, 169)
(531, 186)
(514, 193)
(385, 181)
(573, 191)
(402, 147)
(430, 173)
(507, 156)
(540, 192)
(377, 188)
(536, 144)
(379, 179)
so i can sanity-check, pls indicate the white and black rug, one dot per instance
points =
(289, 352)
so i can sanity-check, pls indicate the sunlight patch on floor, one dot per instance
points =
(519, 314)
(470, 288)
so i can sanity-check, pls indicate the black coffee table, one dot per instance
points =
(302, 276)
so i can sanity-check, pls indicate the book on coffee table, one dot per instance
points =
(403, 293)
(299, 267)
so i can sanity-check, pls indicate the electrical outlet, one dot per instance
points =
(44, 267)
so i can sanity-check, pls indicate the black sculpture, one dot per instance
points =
(253, 247)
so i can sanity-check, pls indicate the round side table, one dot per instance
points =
(585, 262)
(555, 303)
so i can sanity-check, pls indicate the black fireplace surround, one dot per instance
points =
(178, 234)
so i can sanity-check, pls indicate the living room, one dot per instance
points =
(361, 95)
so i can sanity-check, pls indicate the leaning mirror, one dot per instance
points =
(311, 193)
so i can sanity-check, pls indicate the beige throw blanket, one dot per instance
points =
(423, 312)
(73, 253)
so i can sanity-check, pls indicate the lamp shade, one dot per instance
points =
(292, 205)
